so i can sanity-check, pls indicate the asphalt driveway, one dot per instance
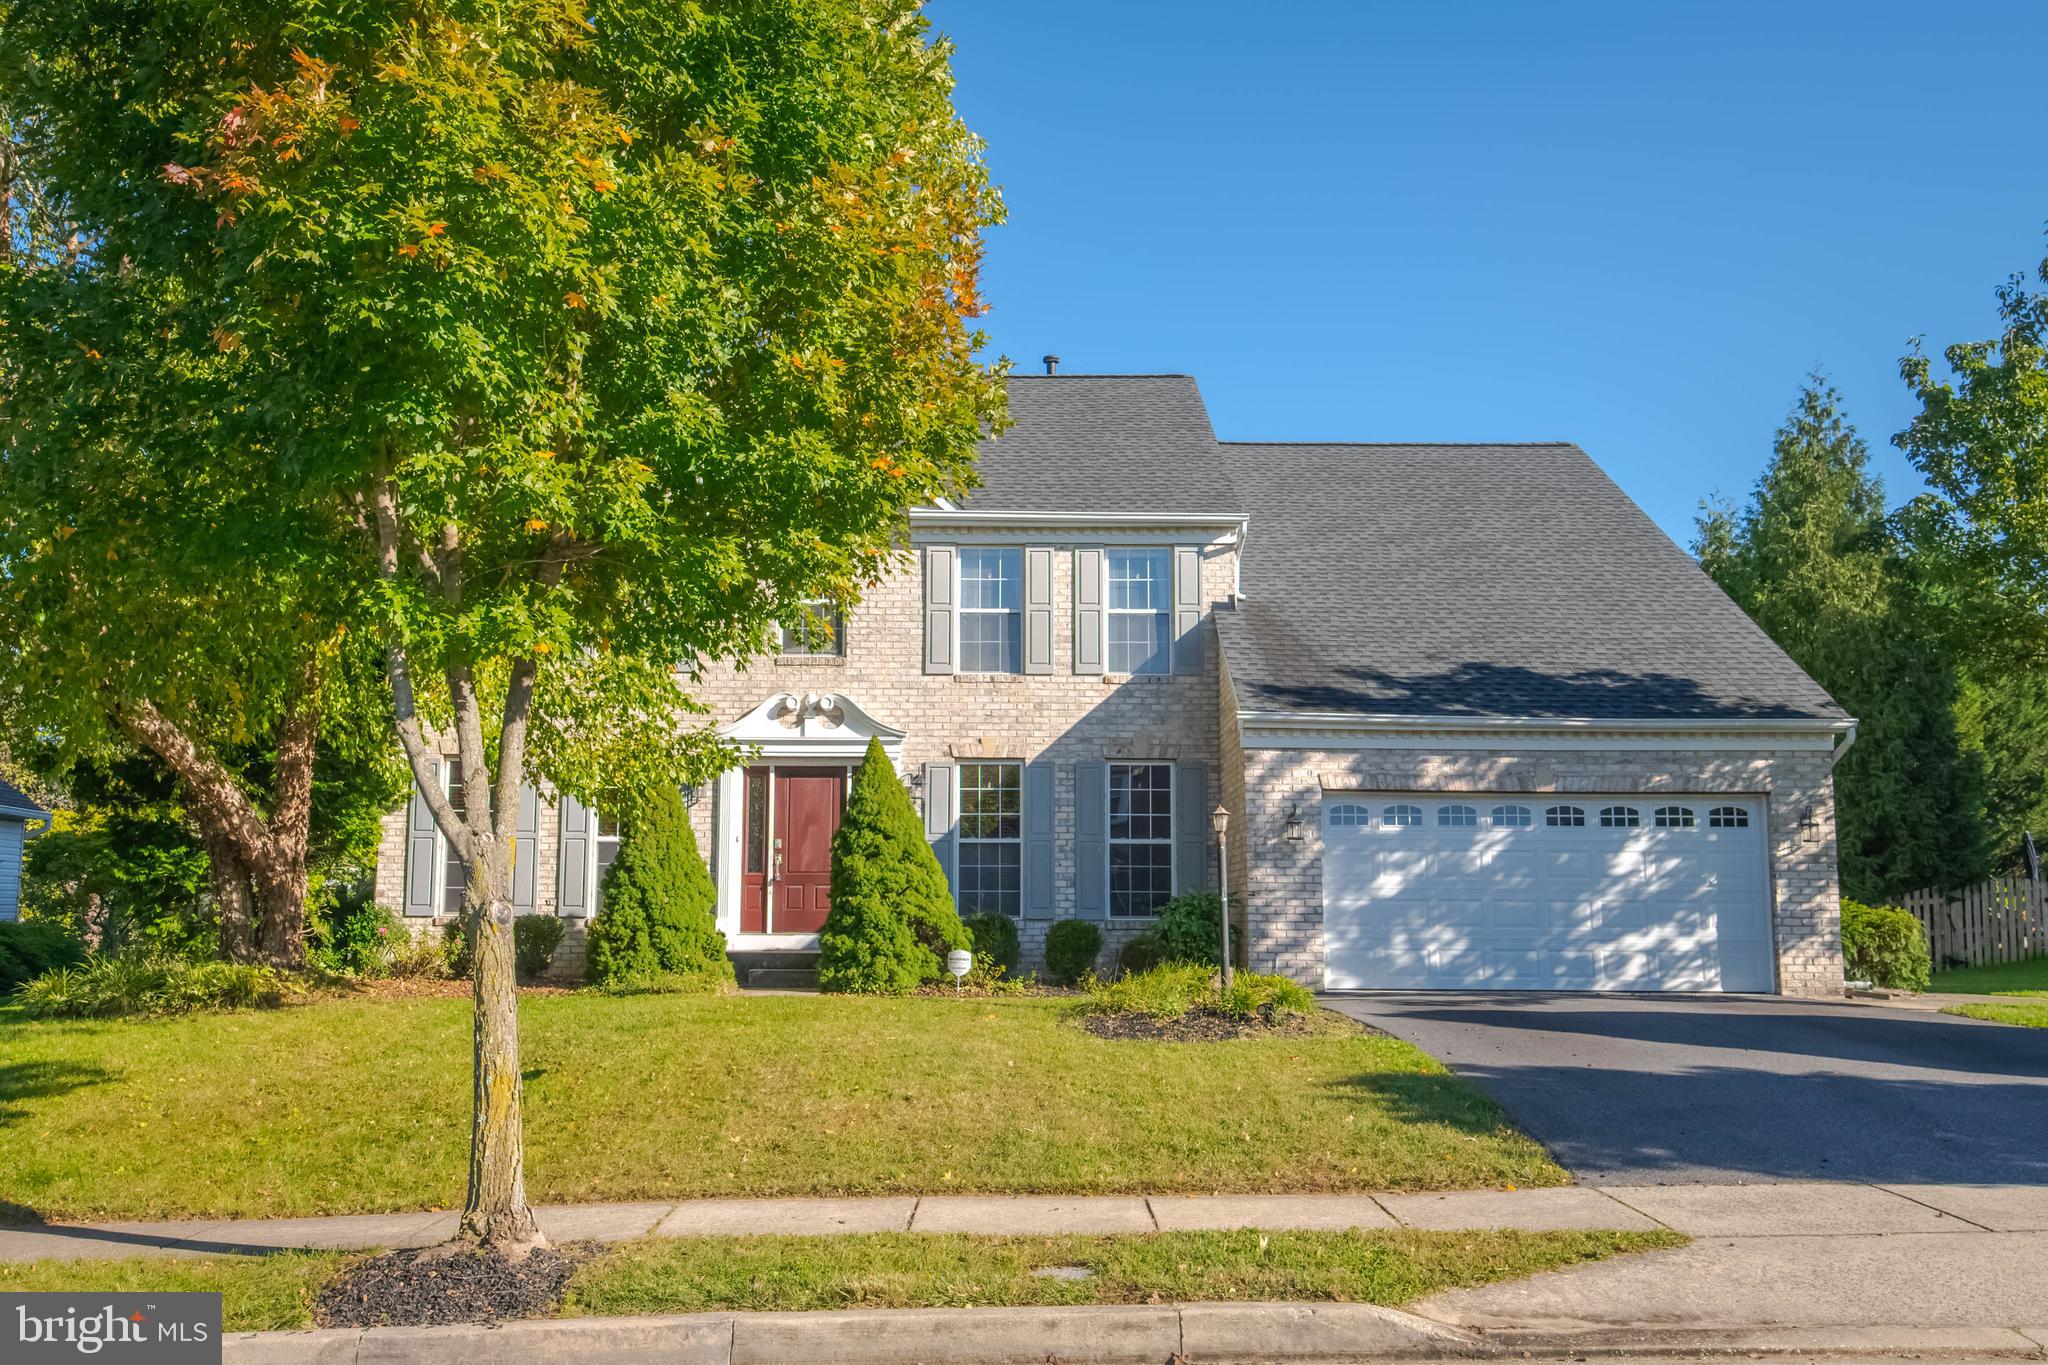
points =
(1647, 1089)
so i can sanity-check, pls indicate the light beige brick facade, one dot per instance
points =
(1065, 718)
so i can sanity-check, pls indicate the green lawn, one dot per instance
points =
(2033, 1015)
(2004, 978)
(363, 1105)
(915, 1270)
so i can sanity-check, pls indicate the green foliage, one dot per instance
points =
(121, 867)
(139, 984)
(1175, 989)
(671, 983)
(28, 948)
(422, 956)
(355, 937)
(1072, 947)
(1813, 560)
(660, 909)
(458, 949)
(995, 936)
(892, 919)
(1884, 945)
(1190, 928)
(534, 940)
(1139, 954)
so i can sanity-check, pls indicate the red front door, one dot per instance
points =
(807, 806)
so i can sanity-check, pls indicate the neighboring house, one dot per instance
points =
(17, 813)
(1478, 723)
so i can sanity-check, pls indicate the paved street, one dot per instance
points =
(1670, 1089)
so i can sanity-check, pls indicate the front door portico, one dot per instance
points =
(775, 819)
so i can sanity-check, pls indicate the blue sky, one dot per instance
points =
(1635, 226)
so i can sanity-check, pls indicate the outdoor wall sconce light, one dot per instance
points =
(1293, 830)
(1809, 825)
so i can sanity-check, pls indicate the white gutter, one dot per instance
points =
(972, 517)
(1339, 720)
(1848, 743)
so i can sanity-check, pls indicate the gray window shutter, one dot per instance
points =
(422, 855)
(938, 609)
(1191, 828)
(1038, 840)
(1187, 609)
(579, 835)
(1091, 840)
(525, 851)
(1088, 597)
(1037, 609)
(938, 813)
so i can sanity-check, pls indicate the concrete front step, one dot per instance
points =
(782, 979)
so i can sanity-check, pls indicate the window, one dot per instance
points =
(1727, 817)
(991, 838)
(1140, 595)
(1620, 817)
(991, 610)
(757, 821)
(1675, 817)
(1350, 816)
(454, 880)
(1140, 837)
(1510, 817)
(819, 633)
(607, 853)
(1457, 817)
(1400, 817)
(1565, 817)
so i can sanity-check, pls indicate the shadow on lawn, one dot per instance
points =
(40, 1080)
(1420, 1097)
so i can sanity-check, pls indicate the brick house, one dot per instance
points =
(1476, 721)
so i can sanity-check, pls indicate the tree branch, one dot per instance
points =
(421, 743)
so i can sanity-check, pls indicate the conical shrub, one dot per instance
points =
(660, 916)
(892, 917)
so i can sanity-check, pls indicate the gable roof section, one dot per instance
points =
(14, 805)
(1091, 443)
(1484, 582)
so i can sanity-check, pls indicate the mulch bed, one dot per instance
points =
(1201, 1025)
(433, 1287)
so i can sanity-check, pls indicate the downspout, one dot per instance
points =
(1848, 743)
(1244, 530)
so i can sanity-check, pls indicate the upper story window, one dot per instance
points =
(991, 838)
(991, 610)
(819, 633)
(1140, 837)
(607, 851)
(1140, 602)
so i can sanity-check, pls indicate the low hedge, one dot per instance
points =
(995, 936)
(1072, 947)
(1885, 946)
(28, 948)
(105, 987)
(1176, 989)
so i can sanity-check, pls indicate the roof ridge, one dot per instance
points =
(1106, 374)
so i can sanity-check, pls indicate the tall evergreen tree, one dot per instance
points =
(1813, 559)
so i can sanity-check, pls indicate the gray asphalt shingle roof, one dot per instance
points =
(1140, 441)
(1481, 581)
(15, 805)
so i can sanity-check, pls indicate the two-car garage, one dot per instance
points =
(1485, 891)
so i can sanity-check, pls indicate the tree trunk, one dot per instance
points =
(495, 1213)
(229, 877)
(281, 875)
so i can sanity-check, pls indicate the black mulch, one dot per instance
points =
(1202, 1025)
(434, 1286)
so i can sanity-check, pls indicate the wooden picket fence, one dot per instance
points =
(2001, 920)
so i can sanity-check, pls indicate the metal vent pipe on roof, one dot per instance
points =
(1052, 364)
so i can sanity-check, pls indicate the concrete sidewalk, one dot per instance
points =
(1702, 1211)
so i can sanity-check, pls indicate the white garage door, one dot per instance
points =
(1592, 893)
